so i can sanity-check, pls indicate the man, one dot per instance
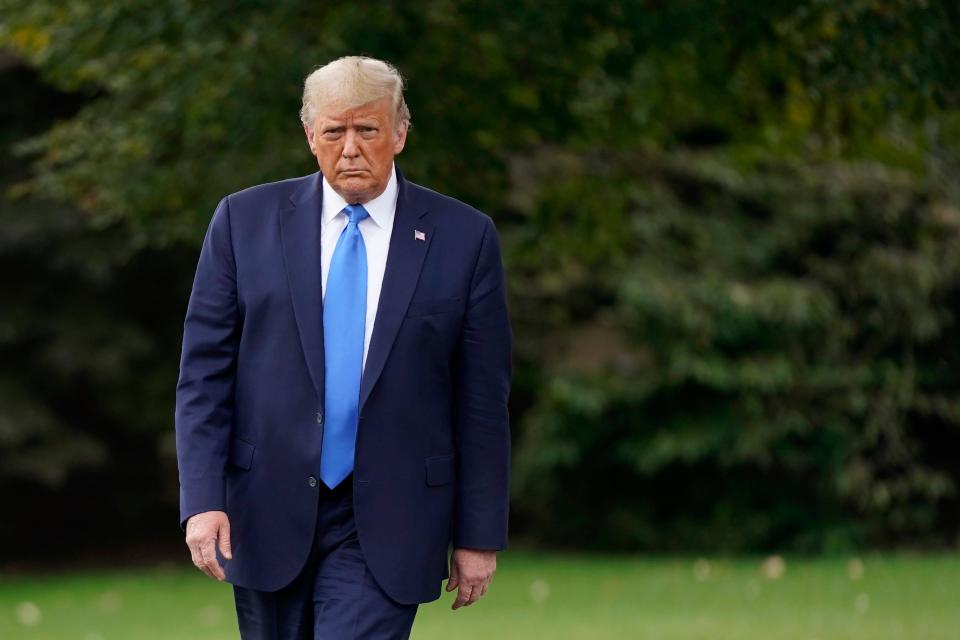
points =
(341, 408)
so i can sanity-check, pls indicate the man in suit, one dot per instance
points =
(341, 413)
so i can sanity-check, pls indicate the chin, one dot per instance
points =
(356, 188)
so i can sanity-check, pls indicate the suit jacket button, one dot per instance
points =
(320, 417)
(312, 481)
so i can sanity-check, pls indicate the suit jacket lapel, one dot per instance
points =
(300, 235)
(404, 260)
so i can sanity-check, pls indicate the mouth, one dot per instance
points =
(353, 172)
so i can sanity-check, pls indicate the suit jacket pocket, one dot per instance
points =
(241, 453)
(441, 470)
(426, 307)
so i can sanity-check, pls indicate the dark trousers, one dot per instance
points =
(335, 597)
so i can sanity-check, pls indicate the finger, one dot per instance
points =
(198, 562)
(474, 596)
(463, 596)
(454, 578)
(478, 592)
(195, 557)
(224, 536)
(208, 552)
(201, 563)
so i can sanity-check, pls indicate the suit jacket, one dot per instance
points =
(432, 461)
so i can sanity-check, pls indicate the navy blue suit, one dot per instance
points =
(433, 441)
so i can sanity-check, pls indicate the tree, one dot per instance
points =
(728, 229)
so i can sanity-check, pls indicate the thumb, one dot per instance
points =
(454, 578)
(224, 536)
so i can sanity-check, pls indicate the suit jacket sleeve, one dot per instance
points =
(482, 420)
(204, 402)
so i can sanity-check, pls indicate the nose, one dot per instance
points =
(350, 149)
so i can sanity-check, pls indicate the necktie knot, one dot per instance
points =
(356, 212)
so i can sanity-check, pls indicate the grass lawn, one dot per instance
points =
(914, 597)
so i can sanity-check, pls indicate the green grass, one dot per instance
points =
(544, 596)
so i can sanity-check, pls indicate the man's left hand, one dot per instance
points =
(472, 570)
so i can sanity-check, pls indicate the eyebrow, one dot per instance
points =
(373, 123)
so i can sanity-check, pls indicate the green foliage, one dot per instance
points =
(729, 230)
(779, 342)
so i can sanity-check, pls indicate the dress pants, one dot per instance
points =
(335, 597)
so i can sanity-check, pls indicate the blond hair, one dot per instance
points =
(352, 81)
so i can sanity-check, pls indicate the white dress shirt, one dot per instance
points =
(375, 230)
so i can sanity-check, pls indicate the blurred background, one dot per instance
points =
(730, 232)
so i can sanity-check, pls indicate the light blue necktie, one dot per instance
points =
(344, 320)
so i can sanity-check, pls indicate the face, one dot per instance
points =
(355, 148)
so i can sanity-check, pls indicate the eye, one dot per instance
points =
(332, 134)
(367, 132)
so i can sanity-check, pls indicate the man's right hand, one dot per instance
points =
(204, 530)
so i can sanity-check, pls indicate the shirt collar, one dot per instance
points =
(381, 209)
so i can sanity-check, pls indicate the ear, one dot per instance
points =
(309, 133)
(400, 137)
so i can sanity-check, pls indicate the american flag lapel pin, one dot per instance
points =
(419, 235)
